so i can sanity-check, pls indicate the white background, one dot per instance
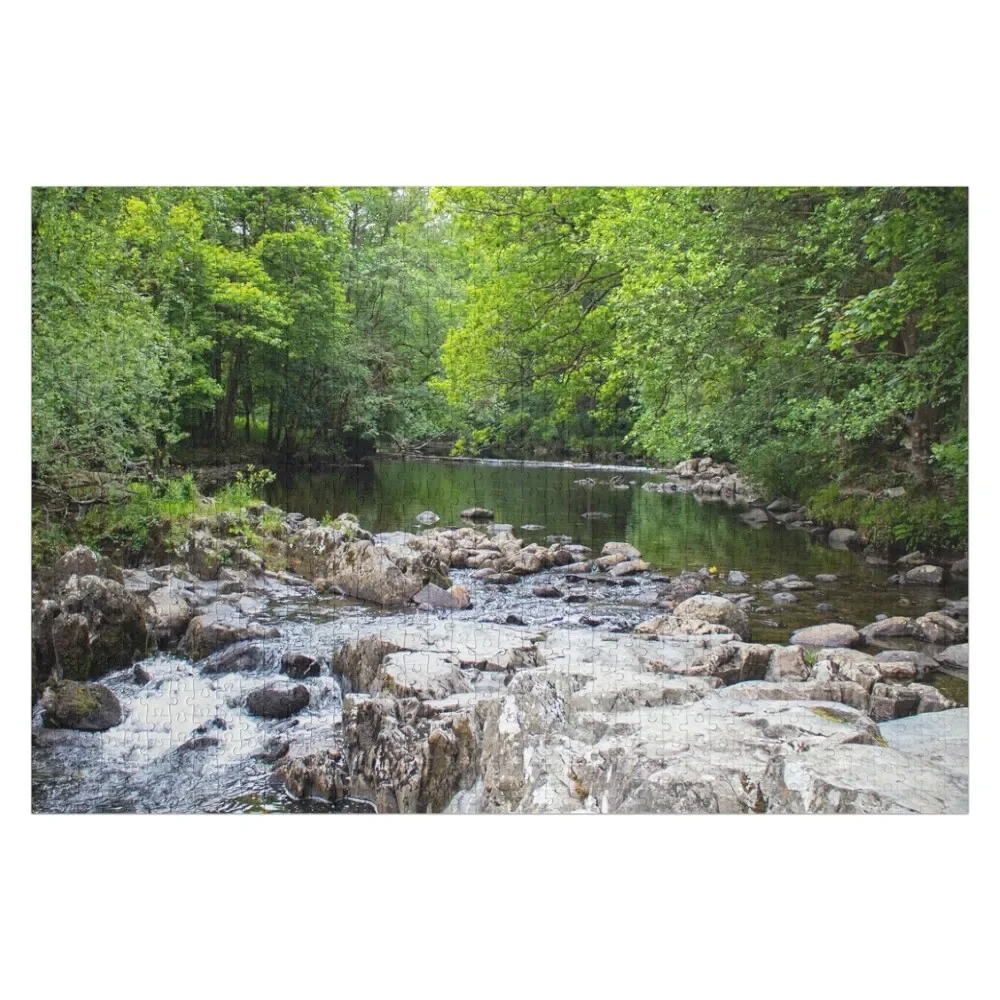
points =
(581, 93)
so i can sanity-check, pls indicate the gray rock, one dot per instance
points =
(783, 597)
(960, 568)
(893, 701)
(72, 705)
(843, 538)
(437, 597)
(715, 610)
(220, 625)
(781, 506)
(888, 628)
(827, 577)
(926, 575)
(546, 591)
(277, 702)
(427, 517)
(956, 657)
(620, 549)
(912, 559)
(736, 578)
(82, 561)
(939, 627)
(833, 634)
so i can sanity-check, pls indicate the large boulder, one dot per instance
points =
(72, 705)
(889, 628)
(101, 627)
(715, 610)
(831, 634)
(939, 627)
(170, 611)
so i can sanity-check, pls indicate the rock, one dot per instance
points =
(850, 665)
(827, 608)
(938, 627)
(500, 529)
(532, 527)
(781, 506)
(427, 517)
(881, 618)
(956, 657)
(299, 665)
(628, 568)
(783, 597)
(912, 559)
(82, 561)
(844, 538)
(794, 583)
(72, 705)
(959, 568)
(169, 611)
(437, 597)
(576, 598)
(956, 609)
(102, 627)
(240, 657)
(140, 675)
(546, 591)
(787, 663)
(893, 492)
(620, 549)
(669, 625)
(926, 575)
(893, 701)
(274, 748)
(755, 517)
(477, 514)
(921, 661)
(219, 626)
(888, 628)
(347, 558)
(737, 578)
(597, 515)
(833, 634)
(715, 610)
(277, 702)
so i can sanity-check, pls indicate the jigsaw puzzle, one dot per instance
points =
(532, 542)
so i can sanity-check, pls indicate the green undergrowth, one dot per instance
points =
(928, 521)
(157, 514)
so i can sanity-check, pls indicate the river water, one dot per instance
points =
(147, 764)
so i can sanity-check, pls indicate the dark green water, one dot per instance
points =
(674, 531)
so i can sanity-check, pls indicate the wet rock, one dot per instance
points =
(218, 627)
(783, 597)
(737, 578)
(912, 559)
(83, 561)
(501, 579)
(715, 610)
(755, 517)
(956, 609)
(91, 708)
(199, 743)
(239, 657)
(513, 619)
(427, 517)
(477, 514)
(956, 657)
(843, 538)
(273, 749)
(833, 634)
(828, 608)
(299, 665)
(437, 597)
(274, 702)
(577, 568)
(597, 515)
(826, 578)
(959, 568)
(320, 774)
(794, 583)
(532, 527)
(546, 591)
(926, 575)
(558, 539)
(140, 675)
(576, 598)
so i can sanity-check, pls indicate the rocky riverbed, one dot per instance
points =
(465, 667)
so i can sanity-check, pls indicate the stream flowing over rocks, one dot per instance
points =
(469, 666)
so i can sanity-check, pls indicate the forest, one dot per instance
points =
(815, 337)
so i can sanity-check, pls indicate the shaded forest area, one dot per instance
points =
(816, 337)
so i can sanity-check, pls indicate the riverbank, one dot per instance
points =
(312, 644)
